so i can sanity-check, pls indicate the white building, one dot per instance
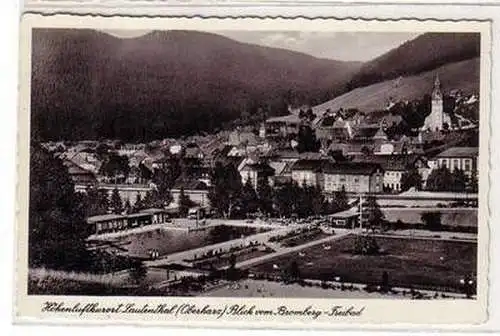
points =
(437, 118)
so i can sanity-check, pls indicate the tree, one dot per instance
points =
(115, 165)
(340, 199)
(372, 213)
(144, 172)
(57, 229)
(310, 201)
(440, 179)
(432, 220)
(307, 140)
(224, 195)
(265, 196)
(366, 245)
(411, 178)
(139, 204)
(184, 203)
(459, 180)
(286, 198)
(96, 202)
(127, 207)
(116, 202)
(102, 150)
(473, 183)
(249, 200)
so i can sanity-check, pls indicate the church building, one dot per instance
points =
(437, 118)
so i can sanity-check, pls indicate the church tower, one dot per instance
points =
(435, 120)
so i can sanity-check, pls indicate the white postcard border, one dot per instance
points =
(376, 312)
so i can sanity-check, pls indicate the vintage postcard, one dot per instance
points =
(253, 172)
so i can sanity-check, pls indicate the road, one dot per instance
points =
(189, 254)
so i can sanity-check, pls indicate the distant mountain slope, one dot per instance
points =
(424, 53)
(88, 84)
(460, 75)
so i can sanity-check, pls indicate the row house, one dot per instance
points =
(307, 172)
(395, 166)
(353, 177)
(464, 158)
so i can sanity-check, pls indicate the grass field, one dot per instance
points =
(420, 263)
(451, 217)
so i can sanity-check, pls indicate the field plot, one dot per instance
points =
(450, 217)
(425, 264)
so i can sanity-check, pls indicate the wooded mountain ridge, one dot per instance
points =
(90, 85)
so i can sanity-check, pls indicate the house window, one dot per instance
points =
(356, 180)
(456, 164)
(467, 165)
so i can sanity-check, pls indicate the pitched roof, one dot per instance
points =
(366, 132)
(352, 168)
(304, 164)
(388, 162)
(290, 118)
(74, 169)
(465, 152)
(189, 184)
(260, 166)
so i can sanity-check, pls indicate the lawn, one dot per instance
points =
(432, 264)
(451, 217)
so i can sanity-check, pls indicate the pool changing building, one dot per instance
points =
(114, 222)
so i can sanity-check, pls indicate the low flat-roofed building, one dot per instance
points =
(107, 223)
(348, 218)
(115, 222)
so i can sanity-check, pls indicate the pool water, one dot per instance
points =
(171, 241)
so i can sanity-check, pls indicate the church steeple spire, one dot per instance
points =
(436, 93)
(437, 83)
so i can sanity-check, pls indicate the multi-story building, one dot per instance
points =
(257, 173)
(355, 177)
(307, 172)
(464, 158)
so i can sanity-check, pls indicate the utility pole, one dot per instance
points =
(360, 211)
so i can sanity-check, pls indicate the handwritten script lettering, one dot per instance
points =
(190, 309)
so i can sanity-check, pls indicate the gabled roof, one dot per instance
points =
(463, 152)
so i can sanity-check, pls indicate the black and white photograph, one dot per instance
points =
(261, 164)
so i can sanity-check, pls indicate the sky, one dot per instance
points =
(343, 46)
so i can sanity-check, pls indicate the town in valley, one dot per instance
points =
(369, 191)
